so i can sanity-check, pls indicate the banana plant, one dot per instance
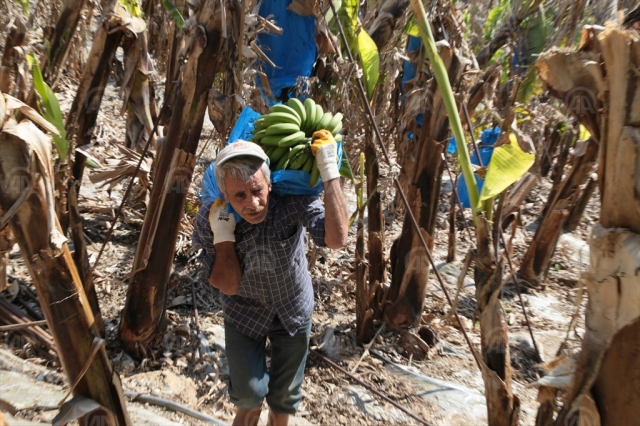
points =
(442, 78)
(510, 161)
(361, 42)
(50, 109)
(365, 311)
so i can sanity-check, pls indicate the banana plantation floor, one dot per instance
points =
(442, 385)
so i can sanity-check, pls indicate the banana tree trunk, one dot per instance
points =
(578, 209)
(503, 407)
(604, 386)
(9, 75)
(223, 106)
(375, 224)
(562, 200)
(552, 139)
(83, 114)
(82, 117)
(177, 40)
(139, 100)
(25, 157)
(64, 30)
(364, 312)
(410, 266)
(59, 42)
(146, 296)
(6, 243)
(535, 262)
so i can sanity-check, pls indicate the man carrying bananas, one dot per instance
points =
(259, 265)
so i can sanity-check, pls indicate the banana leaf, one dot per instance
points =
(174, 12)
(50, 109)
(370, 61)
(344, 167)
(508, 163)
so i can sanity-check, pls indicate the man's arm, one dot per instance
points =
(324, 149)
(336, 215)
(226, 273)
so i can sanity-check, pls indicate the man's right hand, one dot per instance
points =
(223, 223)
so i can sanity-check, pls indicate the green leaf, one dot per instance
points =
(50, 110)
(584, 134)
(495, 14)
(344, 167)
(30, 60)
(351, 8)
(413, 30)
(536, 36)
(92, 164)
(508, 163)
(370, 61)
(133, 7)
(25, 7)
(175, 13)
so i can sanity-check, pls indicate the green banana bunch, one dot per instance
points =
(285, 132)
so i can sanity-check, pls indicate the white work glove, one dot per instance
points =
(223, 223)
(325, 150)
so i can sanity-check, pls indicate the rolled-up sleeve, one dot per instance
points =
(202, 237)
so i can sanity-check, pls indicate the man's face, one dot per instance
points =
(249, 199)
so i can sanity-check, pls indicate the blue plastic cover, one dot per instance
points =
(489, 137)
(487, 140)
(409, 72)
(293, 52)
(409, 69)
(244, 124)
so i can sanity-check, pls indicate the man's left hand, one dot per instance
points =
(325, 149)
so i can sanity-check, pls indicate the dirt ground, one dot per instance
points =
(173, 368)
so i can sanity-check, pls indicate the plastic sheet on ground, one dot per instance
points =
(458, 404)
(22, 392)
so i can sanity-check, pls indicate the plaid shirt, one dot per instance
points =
(272, 255)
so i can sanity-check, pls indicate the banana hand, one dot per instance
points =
(223, 223)
(325, 150)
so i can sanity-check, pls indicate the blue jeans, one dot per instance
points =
(250, 380)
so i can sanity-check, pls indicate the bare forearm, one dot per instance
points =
(226, 273)
(336, 215)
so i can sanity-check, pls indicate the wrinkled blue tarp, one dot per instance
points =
(293, 52)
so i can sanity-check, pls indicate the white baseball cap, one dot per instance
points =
(239, 148)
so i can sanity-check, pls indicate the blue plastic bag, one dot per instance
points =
(293, 52)
(244, 124)
(488, 137)
(487, 140)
